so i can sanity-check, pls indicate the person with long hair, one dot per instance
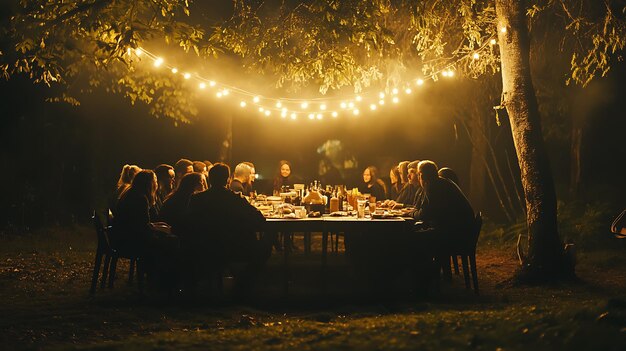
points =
(283, 176)
(123, 183)
(372, 184)
(165, 177)
(394, 177)
(132, 225)
(174, 208)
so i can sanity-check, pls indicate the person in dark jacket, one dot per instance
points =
(174, 210)
(241, 179)
(372, 184)
(224, 228)
(443, 206)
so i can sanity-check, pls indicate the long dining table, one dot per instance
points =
(329, 224)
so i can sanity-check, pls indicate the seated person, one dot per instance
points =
(223, 229)
(174, 209)
(372, 184)
(134, 233)
(444, 207)
(241, 178)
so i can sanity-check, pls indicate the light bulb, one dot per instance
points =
(256, 99)
(187, 75)
(420, 82)
(243, 104)
(293, 116)
(343, 105)
(212, 83)
(492, 42)
(476, 56)
(395, 91)
(202, 85)
(158, 62)
(373, 107)
(323, 107)
(304, 105)
(355, 111)
(174, 70)
(335, 114)
(268, 112)
(395, 100)
(359, 98)
(381, 102)
(408, 90)
(279, 104)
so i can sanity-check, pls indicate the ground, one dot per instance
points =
(44, 304)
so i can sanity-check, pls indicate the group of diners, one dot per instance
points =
(184, 219)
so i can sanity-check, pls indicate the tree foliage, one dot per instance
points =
(327, 44)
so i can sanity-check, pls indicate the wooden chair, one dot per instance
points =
(467, 252)
(111, 256)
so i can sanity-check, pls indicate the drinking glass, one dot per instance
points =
(361, 207)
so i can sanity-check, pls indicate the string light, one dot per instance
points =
(288, 107)
(503, 29)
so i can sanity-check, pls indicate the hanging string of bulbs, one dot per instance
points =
(317, 108)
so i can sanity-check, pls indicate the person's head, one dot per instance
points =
(252, 172)
(242, 173)
(427, 172)
(219, 174)
(284, 168)
(394, 175)
(182, 167)
(404, 171)
(127, 174)
(200, 167)
(448, 174)
(412, 172)
(208, 164)
(191, 183)
(145, 182)
(165, 177)
(370, 175)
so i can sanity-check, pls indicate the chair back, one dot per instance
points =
(103, 239)
(478, 224)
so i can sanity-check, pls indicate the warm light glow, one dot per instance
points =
(450, 73)
(381, 102)
(226, 92)
(187, 75)
(359, 98)
(283, 114)
(261, 109)
(351, 105)
(284, 110)
(476, 56)
(212, 83)
(202, 85)
(395, 91)
(158, 62)
(256, 99)
(293, 116)
(304, 105)
(323, 107)
(420, 82)
(408, 90)
(242, 104)
(335, 114)
(381, 95)
(503, 29)
(373, 107)
(343, 105)
(129, 51)
(279, 104)
(311, 116)
(174, 70)
(444, 73)
(268, 112)
(138, 51)
(355, 112)
(492, 42)
(395, 100)
(219, 94)
(320, 116)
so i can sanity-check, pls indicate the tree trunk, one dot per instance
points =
(545, 260)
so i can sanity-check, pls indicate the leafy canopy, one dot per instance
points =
(328, 44)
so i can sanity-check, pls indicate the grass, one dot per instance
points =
(44, 281)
